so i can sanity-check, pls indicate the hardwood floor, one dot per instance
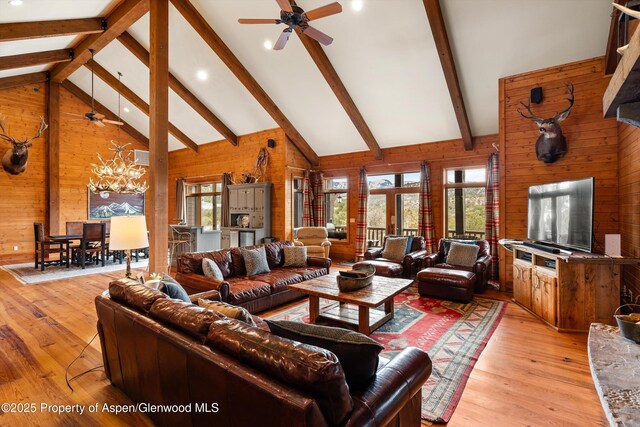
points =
(528, 375)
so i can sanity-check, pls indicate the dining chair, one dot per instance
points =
(178, 240)
(44, 247)
(74, 228)
(93, 243)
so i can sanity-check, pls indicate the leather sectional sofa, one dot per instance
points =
(223, 372)
(255, 293)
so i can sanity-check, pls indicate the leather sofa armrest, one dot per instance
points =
(195, 283)
(315, 261)
(482, 264)
(431, 260)
(325, 242)
(416, 255)
(391, 389)
(373, 253)
(212, 295)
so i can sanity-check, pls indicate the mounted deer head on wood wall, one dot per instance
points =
(551, 144)
(14, 160)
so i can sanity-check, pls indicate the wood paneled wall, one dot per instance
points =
(629, 192)
(441, 155)
(23, 198)
(592, 146)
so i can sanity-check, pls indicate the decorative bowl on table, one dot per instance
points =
(349, 281)
(629, 323)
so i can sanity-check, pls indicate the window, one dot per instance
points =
(298, 202)
(465, 202)
(336, 199)
(204, 205)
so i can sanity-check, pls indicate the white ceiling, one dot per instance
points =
(384, 54)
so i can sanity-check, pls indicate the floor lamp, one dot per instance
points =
(128, 232)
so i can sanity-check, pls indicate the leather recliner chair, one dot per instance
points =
(315, 239)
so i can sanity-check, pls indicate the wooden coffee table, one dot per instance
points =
(367, 317)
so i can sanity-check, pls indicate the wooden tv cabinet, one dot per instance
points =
(569, 292)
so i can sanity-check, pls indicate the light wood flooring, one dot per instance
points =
(528, 375)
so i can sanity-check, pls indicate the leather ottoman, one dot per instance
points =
(383, 268)
(446, 284)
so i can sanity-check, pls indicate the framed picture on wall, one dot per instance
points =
(106, 205)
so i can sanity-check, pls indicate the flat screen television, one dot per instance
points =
(561, 214)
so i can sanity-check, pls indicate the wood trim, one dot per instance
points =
(130, 95)
(23, 79)
(142, 54)
(439, 30)
(611, 54)
(158, 133)
(128, 12)
(335, 83)
(502, 158)
(202, 27)
(86, 98)
(623, 85)
(63, 27)
(36, 58)
(53, 174)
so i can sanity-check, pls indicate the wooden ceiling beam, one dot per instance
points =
(86, 98)
(23, 79)
(142, 54)
(64, 27)
(439, 30)
(202, 27)
(331, 76)
(36, 58)
(130, 95)
(121, 18)
(611, 54)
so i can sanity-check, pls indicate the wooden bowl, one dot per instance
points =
(350, 284)
(629, 327)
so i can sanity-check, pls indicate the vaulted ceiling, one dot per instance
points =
(384, 54)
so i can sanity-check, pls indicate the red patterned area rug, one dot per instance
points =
(453, 334)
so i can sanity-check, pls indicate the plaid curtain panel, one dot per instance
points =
(226, 213)
(307, 196)
(492, 210)
(361, 221)
(317, 186)
(426, 226)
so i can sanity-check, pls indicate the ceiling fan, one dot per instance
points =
(294, 16)
(97, 118)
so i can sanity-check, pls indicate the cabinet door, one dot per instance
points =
(233, 199)
(536, 294)
(548, 297)
(259, 200)
(249, 195)
(522, 284)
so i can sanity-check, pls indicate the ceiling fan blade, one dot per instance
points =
(258, 21)
(285, 5)
(74, 114)
(317, 35)
(99, 116)
(321, 12)
(112, 122)
(282, 40)
(99, 123)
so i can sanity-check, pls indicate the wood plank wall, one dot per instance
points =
(629, 192)
(441, 155)
(23, 198)
(592, 144)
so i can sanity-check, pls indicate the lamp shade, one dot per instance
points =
(128, 232)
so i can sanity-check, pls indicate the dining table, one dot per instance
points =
(67, 239)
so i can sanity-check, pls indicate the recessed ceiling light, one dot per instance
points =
(202, 75)
(15, 2)
(357, 5)
(126, 110)
(268, 45)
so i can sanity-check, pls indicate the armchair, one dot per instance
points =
(315, 239)
(481, 268)
(408, 267)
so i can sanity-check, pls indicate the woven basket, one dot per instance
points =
(350, 284)
(629, 329)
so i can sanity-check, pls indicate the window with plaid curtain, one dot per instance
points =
(426, 226)
(361, 221)
(317, 186)
(492, 210)
(307, 202)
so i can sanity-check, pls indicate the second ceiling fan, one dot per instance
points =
(294, 16)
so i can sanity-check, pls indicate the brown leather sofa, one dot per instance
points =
(391, 268)
(481, 268)
(161, 351)
(255, 293)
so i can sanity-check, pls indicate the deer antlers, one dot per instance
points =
(4, 136)
(558, 116)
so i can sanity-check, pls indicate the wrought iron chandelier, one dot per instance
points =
(119, 174)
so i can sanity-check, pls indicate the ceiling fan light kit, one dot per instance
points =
(293, 16)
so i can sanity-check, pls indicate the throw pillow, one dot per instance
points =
(462, 255)
(255, 261)
(409, 241)
(395, 248)
(295, 256)
(357, 353)
(173, 289)
(211, 269)
(228, 310)
(447, 244)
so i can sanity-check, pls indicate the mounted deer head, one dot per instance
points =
(551, 144)
(14, 160)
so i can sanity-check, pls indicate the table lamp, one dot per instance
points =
(128, 232)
